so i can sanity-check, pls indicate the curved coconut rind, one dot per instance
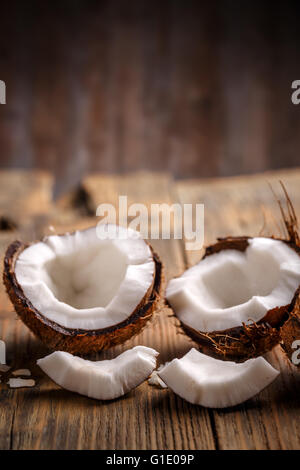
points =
(290, 331)
(77, 341)
(245, 341)
(93, 379)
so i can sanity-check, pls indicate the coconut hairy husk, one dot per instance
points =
(280, 324)
(290, 330)
(78, 341)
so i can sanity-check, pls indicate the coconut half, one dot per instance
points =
(214, 383)
(85, 291)
(103, 380)
(235, 299)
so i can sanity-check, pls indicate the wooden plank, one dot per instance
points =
(48, 417)
(117, 86)
(25, 199)
(233, 206)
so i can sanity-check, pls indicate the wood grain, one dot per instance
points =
(198, 89)
(48, 417)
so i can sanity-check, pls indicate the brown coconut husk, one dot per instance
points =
(78, 341)
(280, 323)
(290, 330)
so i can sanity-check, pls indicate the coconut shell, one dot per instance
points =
(242, 342)
(290, 331)
(78, 341)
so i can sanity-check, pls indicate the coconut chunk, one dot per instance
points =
(213, 383)
(86, 291)
(24, 372)
(103, 380)
(4, 368)
(83, 281)
(231, 287)
(155, 379)
(20, 383)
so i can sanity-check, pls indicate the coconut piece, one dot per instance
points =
(25, 372)
(213, 383)
(154, 378)
(4, 368)
(19, 383)
(84, 291)
(235, 299)
(103, 380)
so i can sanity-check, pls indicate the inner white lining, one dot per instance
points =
(229, 288)
(81, 281)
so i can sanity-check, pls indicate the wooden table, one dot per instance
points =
(199, 88)
(48, 417)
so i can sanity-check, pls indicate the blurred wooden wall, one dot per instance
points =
(198, 88)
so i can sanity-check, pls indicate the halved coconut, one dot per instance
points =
(85, 291)
(213, 383)
(103, 380)
(236, 298)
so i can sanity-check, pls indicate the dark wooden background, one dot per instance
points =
(197, 88)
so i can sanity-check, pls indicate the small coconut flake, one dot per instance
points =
(25, 372)
(154, 378)
(18, 383)
(4, 368)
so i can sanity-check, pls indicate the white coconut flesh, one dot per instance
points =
(84, 280)
(229, 288)
(213, 383)
(154, 378)
(102, 380)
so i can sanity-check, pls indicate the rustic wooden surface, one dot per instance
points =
(197, 88)
(48, 417)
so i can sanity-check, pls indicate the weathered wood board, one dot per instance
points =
(47, 417)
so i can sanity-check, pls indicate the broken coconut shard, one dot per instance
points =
(20, 383)
(242, 298)
(82, 292)
(214, 383)
(102, 380)
(154, 378)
